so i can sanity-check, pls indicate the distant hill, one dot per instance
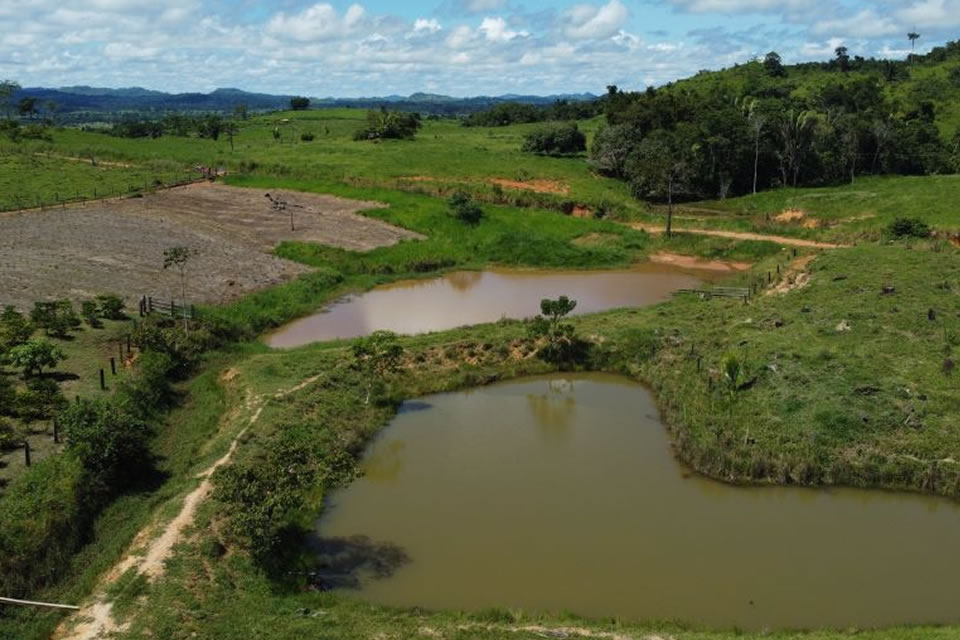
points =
(79, 103)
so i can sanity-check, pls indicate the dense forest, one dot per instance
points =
(765, 125)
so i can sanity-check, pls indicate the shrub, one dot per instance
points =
(111, 306)
(88, 309)
(107, 440)
(307, 137)
(36, 355)
(555, 140)
(8, 434)
(464, 209)
(8, 397)
(15, 329)
(909, 227)
(58, 318)
(41, 400)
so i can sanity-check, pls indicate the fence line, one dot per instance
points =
(24, 204)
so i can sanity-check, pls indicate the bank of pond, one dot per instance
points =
(561, 493)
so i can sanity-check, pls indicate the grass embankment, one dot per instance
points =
(849, 213)
(840, 381)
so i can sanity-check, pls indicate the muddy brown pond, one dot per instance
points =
(561, 493)
(474, 297)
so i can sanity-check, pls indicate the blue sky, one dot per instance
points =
(456, 47)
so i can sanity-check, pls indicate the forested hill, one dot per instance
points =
(766, 124)
(82, 102)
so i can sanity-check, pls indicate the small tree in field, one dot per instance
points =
(377, 356)
(178, 257)
(562, 343)
(36, 355)
(299, 103)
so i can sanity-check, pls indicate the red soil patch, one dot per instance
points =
(537, 186)
(690, 262)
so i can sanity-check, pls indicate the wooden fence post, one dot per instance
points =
(56, 430)
(26, 452)
(113, 365)
(103, 381)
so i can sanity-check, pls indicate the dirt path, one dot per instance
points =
(149, 551)
(742, 235)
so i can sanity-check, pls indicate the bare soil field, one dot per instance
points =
(118, 246)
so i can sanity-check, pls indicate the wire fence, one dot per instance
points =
(19, 202)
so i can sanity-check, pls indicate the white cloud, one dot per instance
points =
(480, 6)
(931, 13)
(319, 22)
(587, 21)
(740, 6)
(865, 24)
(124, 50)
(497, 30)
(424, 25)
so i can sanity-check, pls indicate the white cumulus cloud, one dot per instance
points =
(497, 30)
(587, 21)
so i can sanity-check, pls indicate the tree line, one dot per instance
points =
(677, 142)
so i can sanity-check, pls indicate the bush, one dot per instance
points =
(41, 400)
(111, 307)
(165, 336)
(58, 318)
(15, 329)
(464, 209)
(108, 441)
(555, 140)
(8, 435)
(307, 137)
(88, 309)
(909, 227)
(8, 397)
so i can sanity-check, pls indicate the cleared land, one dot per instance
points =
(118, 246)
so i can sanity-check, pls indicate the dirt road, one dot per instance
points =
(742, 235)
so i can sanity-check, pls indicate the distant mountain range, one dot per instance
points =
(82, 102)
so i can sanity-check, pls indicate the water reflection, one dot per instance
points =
(554, 410)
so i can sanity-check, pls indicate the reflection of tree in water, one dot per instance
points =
(554, 409)
(386, 462)
(464, 280)
(341, 563)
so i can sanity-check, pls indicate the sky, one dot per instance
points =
(453, 47)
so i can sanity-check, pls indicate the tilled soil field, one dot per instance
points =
(118, 246)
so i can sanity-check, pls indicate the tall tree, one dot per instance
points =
(795, 129)
(773, 64)
(377, 356)
(843, 58)
(913, 36)
(757, 121)
(661, 167)
(178, 257)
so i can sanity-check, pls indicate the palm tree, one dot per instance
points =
(914, 36)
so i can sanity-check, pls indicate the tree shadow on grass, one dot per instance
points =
(343, 563)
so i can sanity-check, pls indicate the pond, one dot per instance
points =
(561, 493)
(473, 297)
